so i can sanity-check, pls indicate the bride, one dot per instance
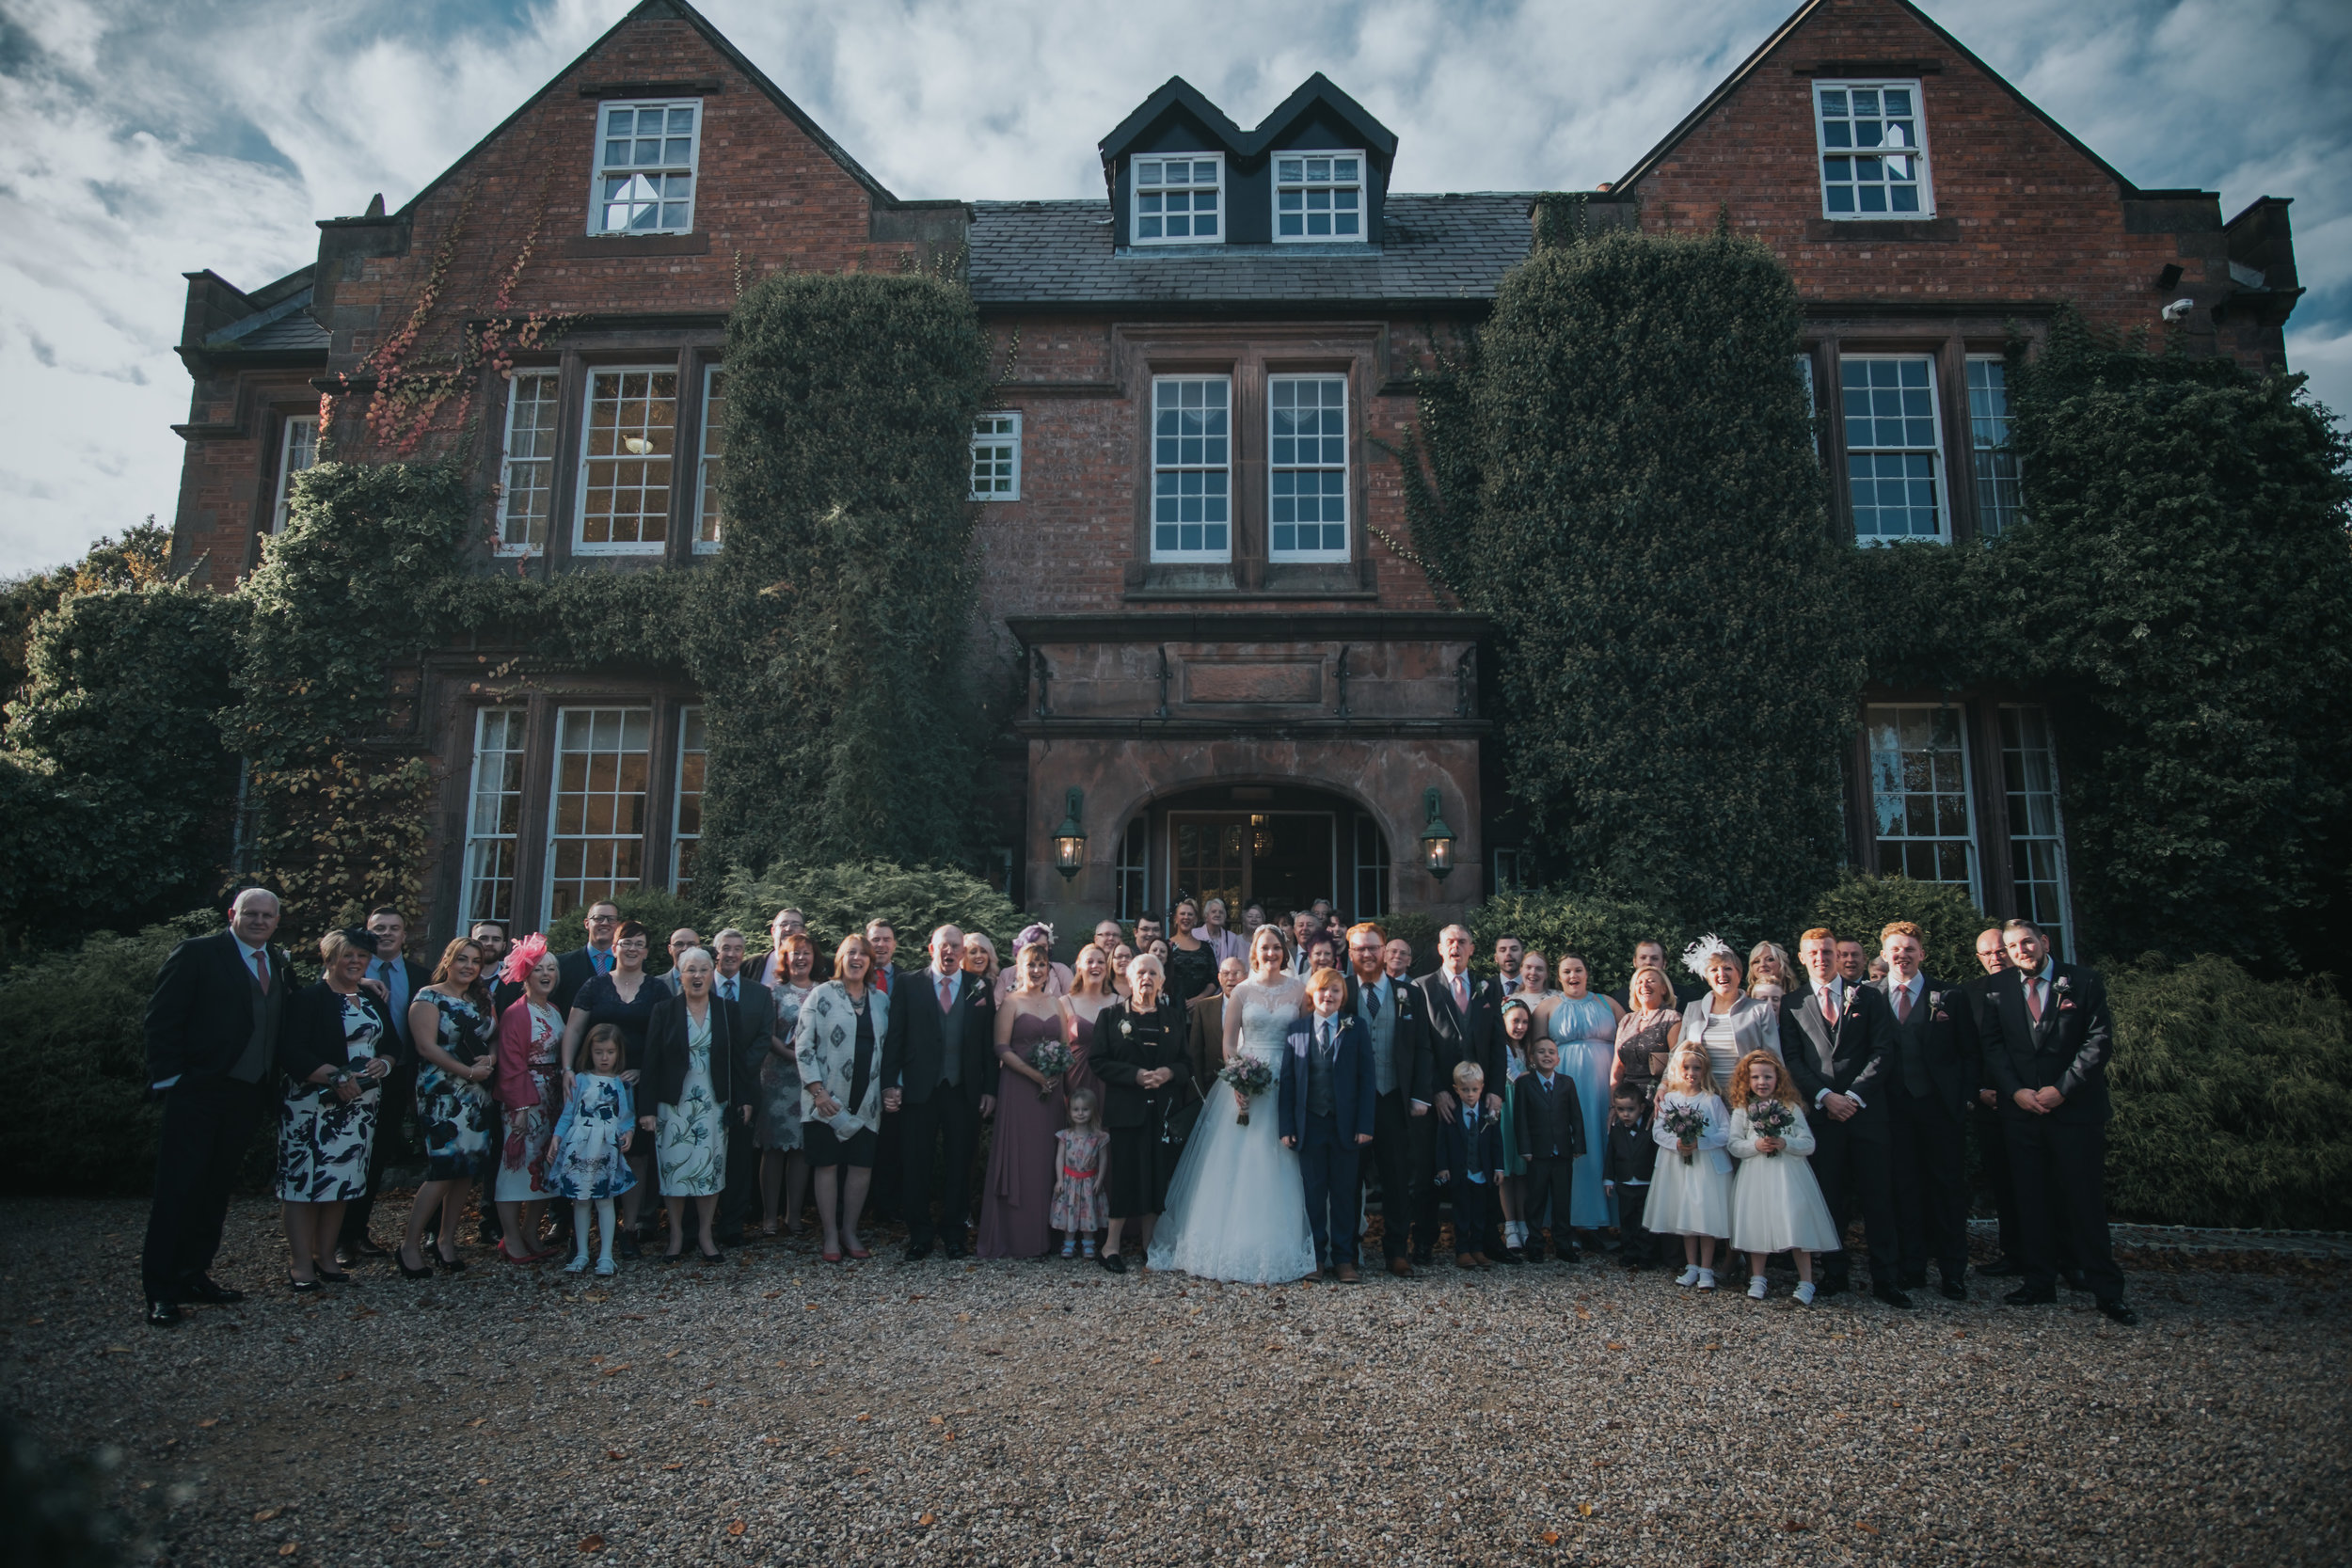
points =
(1236, 1207)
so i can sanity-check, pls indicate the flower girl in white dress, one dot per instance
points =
(1776, 1204)
(1691, 1195)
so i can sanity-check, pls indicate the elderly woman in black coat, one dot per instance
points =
(692, 1097)
(1147, 1101)
(333, 1052)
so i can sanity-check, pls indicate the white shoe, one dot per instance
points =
(1689, 1274)
(604, 1266)
(1804, 1293)
(1707, 1279)
(577, 1265)
(1756, 1286)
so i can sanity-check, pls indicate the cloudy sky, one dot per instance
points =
(140, 139)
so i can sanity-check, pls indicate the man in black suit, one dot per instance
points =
(2048, 1038)
(396, 979)
(1396, 1027)
(751, 1010)
(1465, 1023)
(939, 1074)
(1992, 1137)
(212, 1049)
(576, 968)
(1934, 1070)
(490, 937)
(1837, 1038)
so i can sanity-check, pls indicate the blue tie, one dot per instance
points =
(1372, 1000)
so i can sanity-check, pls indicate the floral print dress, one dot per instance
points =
(588, 1162)
(778, 1123)
(455, 1114)
(322, 1140)
(691, 1137)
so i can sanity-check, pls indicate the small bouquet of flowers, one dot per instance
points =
(1771, 1118)
(1052, 1059)
(1247, 1076)
(1688, 1124)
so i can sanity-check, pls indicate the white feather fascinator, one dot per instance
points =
(1696, 956)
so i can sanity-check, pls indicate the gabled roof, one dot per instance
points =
(1315, 91)
(681, 10)
(1780, 35)
(1435, 249)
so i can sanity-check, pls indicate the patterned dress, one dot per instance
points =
(522, 1174)
(324, 1141)
(691, 1137)
(778, 1122)
(1079, 1205)
(454, 1114)
(588, 1158)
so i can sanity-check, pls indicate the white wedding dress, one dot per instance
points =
(1236, 1207)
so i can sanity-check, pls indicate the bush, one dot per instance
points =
(1860, 905)
(661, 911)
(1418, 931)
(2233, 1099)
(840, 899)
(76, 1049)
(1602, 930)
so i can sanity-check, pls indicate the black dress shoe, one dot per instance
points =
(1953, 1290)
(917, 1251)
(2004, 1268)
(1832, 1288)
(2077, 1283)
(1512, 1255)
(1113, 1261)
(164, 1314)
(2029, 1295)
(2116, 1312)
(204, 1288)
(332, 1276)
(953, 1250)
(1892, 1297)
(304, 1287)
(1420, 1260)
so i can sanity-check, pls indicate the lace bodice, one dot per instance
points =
(1268, 1013)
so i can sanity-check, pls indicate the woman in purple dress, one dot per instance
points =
(1031, 1108)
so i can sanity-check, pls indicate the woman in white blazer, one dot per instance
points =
(1726, 1022)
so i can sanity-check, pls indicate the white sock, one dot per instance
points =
(580, 1229)
(1707, 1276)
(1756, 1286)
(1515, 1234)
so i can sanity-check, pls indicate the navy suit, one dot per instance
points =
(1328, 1150)
(1472, 1141)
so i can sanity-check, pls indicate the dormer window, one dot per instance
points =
(1318, 196)
(1180, 200)
(646, 168)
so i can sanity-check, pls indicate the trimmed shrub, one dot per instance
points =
(662, 912)
(1602, 930)
(1860, 905)
(841, 899)
(1418, 931)
(2233, 1099)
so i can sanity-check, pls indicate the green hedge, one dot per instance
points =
(1861, 905)
(838, 900)
(1603, 930)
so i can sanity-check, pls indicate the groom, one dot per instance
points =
(1326, 1110)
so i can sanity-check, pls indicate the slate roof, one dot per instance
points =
(285, 326)
(1433, 249)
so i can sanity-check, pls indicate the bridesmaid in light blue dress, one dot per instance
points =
(1585, 1027)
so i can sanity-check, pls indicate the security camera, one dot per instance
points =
(2178, 309)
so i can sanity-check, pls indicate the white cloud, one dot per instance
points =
(143, 140)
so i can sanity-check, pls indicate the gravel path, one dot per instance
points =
(772, 1409)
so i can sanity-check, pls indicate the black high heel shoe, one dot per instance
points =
(454, 1265)
(304, 1287)
(408, 1273)
(332, 1276)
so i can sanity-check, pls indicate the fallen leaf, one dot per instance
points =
(864, 1417)
(346, 1377)
(705, 1403)
(267, 1514)
(915, 1297)
(397, 1528)
(1711, 1345)
(862, 1470)
(927, 1521)
(208, 1424)
(671, 1354)
(939, 1420)
(1583, 1315)
(992, 1352)
(482, 1481)
(1960, 1334)
(477, 1421)
(1585, 1510)
(1549, 1538)
(774, 1442)
(1157, 1360)
(1866, 1529)
(592, 1543)
(1794, 1527)
(615, 1453)
(615, 1371)
(633, 1317)
(290, 1548)
(736, 1528)
(810, 1307)
(116, 1350)
(1614, 1344)
(679, 1465)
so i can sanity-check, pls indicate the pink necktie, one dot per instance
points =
(945, 1002)
(1829, 1004)
(261, 972)
(1461, 993)
(2033, 999)
(1902, 1005)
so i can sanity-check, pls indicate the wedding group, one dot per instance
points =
(1227, 1102)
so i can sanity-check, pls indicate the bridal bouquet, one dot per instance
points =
(1688, 1124)
(1248, 1076)
(1771, 1118)
(1052, 1059)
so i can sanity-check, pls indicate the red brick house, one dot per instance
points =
(1191, 525)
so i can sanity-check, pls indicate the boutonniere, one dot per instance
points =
(2063, 984)
(1126, 1025)
(1935, 999)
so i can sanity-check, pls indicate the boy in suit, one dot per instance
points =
(1471, 1145)
(1550, 1126)
(1626, 1168)
(1326, 1110)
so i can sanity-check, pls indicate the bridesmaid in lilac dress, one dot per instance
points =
(1090, 991)
(1031, 1107)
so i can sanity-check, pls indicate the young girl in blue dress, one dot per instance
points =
(588, 1157)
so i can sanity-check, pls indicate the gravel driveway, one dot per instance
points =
(774, 1409)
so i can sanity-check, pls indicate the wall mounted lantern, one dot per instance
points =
(1070, 839)
(1437, 840)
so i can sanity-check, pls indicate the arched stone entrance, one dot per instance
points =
(1279, 846)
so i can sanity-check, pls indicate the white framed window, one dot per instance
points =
(646, 158)
(297, 450)
(1318, 196)
(2000, 496)
(997, 457)
(1192, 468)
(494, 814)
(1307, 468)
(629, 444)
(527, 467)
(1135, 872)
(686, 813)
(714, 436)
(1180, 200)
(1874, 151)
(596, 813)
(2037, 834)
(1894, 447)
(1921, 802)
(1372, 868)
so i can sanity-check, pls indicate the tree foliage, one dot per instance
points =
(1601, 932)
(1949, 922)
(831, 633)
(1622, 476)
(840, 898)
(141, 556)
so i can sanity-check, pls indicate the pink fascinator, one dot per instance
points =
(524, 957)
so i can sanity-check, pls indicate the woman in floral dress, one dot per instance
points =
(777, 1127)
(327, 1051)
(531, 1089)
(449, 1021)
(691, 1099)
